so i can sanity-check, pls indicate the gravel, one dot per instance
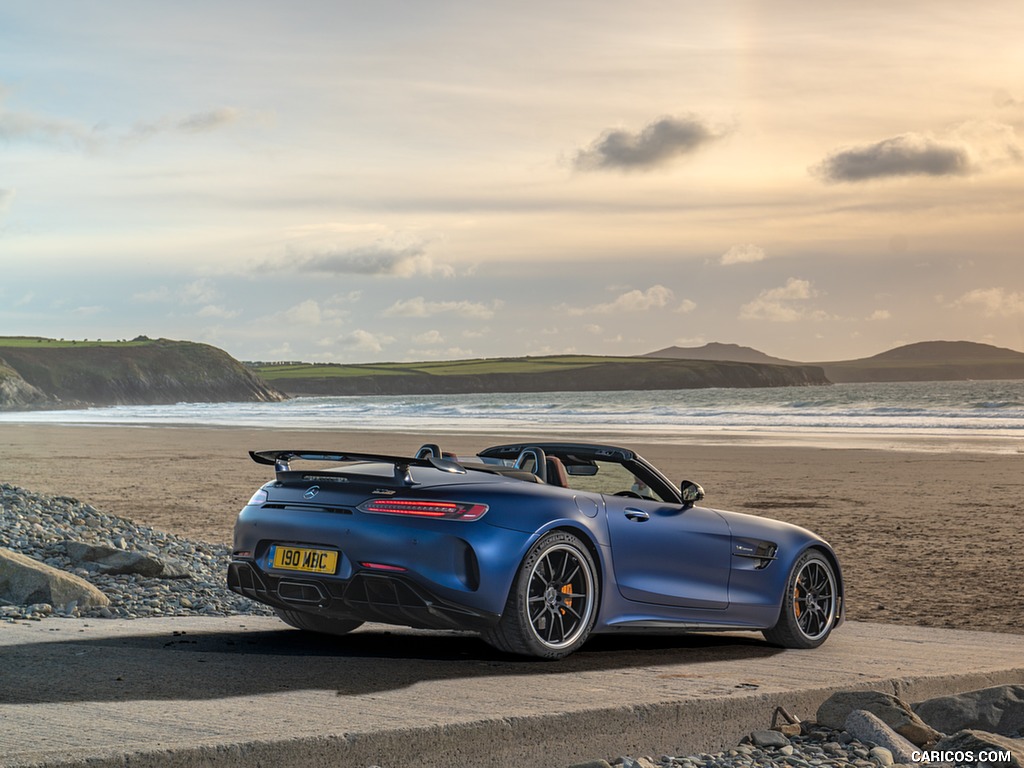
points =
(38, 526)
(817, 748)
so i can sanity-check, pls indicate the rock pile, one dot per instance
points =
(61, 557)
(870, 729)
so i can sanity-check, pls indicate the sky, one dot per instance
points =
(355, 182)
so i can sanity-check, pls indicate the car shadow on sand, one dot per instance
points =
(217, 664)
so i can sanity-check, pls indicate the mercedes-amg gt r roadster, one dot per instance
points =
(535, 546)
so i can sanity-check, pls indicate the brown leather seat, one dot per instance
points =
(556, 472)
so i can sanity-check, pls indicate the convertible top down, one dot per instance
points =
(536, 546)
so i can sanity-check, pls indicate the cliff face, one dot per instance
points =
(16, 394)
(155, 372)
(657, 374)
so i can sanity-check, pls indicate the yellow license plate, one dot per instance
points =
(302, 559)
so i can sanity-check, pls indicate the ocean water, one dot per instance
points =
(983, 416)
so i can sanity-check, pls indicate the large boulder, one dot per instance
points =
(891, 710)
(119, 561)
(866, 727)
(24, 581)
(997, 710)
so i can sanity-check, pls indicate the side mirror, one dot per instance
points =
(691, 493)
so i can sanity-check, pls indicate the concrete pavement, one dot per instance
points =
(248, 691)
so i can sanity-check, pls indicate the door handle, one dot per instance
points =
(636, 515)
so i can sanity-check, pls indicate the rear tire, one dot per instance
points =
(323, 625)
(553, 602)
(810, 605)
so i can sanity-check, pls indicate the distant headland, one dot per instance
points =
(37, 372)
(54, 373)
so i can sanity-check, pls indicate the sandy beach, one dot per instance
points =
(924, 538)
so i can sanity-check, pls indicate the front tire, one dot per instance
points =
(810, 605)
(321, 624)
(553, 603)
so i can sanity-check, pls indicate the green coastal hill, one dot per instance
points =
(922, 361)
(47, 373)
(932, 361)
(530, 374)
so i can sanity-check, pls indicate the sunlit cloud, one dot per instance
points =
(309, 313)
(907, 155)
(880, 314)
(653, 146)
(655, 297)
(784, 304)
(429, 337)
(743, 254)
(420, 307)
(993, 302)
(361, 340)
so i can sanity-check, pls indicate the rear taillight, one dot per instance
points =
(445, 510)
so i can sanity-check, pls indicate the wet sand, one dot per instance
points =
(924, 538)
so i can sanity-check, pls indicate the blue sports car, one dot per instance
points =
(535, 546)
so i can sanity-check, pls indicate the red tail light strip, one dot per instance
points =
(447, 510)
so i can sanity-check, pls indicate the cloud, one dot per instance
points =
(22, 126)
(908, 155)
(429, 337)
(655, 297)
(27, 126)
(197, 292)
(653, 146)
(743, 254)
(993, 302)
(783, 304)
(685, 307)
(1004, 99)
(420, 307)
(212, 310)
(88, 311)
(198, 122)
(201, 122)
(375, 259)
(360, 340)
(309, 313)
(880, 314)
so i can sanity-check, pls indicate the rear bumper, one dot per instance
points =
(381, 597)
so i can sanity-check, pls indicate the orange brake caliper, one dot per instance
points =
(566, 590)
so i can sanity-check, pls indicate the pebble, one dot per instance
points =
(37, 526)
(820, 747)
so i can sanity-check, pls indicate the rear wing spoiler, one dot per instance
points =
(281, 462)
